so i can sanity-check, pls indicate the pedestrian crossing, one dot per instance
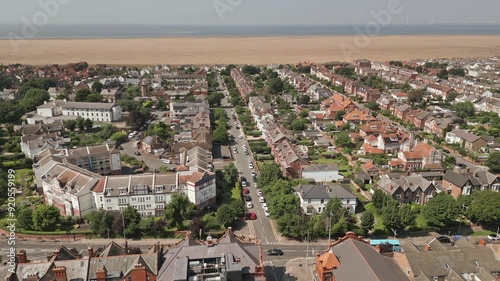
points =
(275, 261)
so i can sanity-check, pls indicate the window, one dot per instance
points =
(348, 201)
(322, 201)
(319, 209)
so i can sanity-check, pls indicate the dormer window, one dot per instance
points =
(123, 191)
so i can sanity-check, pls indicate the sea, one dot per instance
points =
(172, 31)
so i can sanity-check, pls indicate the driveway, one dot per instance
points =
(151, 161)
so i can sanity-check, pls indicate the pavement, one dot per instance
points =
(300, 269)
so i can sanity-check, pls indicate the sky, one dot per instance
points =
(249, 12)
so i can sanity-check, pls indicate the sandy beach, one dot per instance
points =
(244, 50)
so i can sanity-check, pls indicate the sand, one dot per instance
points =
(245, 50)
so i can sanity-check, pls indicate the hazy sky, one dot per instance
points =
(251, 11)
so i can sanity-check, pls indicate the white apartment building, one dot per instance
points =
(313, 198)
(97, 112)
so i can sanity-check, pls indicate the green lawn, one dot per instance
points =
(482, 233)
(378, 227)
(20, 172)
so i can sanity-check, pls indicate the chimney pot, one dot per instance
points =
(90, 251)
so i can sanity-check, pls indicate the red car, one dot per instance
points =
(245, 190)
(251, 216)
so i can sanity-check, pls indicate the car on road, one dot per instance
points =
(250, 166)
(494, 237)
(246, 190)
(251, 216)
(446, 151)
(245, 152)
(237, 127)
(254, 174)
(249, 205)
(274, 252)
(235, 148)
(266, 213)
(461, 165)
(261, 199)
(247, 198)
(167, 161)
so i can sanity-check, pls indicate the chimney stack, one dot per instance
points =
(427, 248)
(229, 231)
(60, 273)
(101, 274)
(21, 257)
(138, 272)
(90, 251)
(56, 253)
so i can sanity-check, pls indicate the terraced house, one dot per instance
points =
(408, 189)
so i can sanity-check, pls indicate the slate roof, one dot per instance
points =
(412, 183)
(460, 179)
(359, 261)
(323, 192)
(321, 167)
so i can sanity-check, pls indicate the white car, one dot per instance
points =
(264, 205)
(259, 193)
(244, 184)
(249, 205)
(494, 237)
(240, 137)
(235, 148)
(167, 161)
(266, 213)
(244, 146)
(250, 166)
(262, 200)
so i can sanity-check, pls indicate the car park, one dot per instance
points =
(274, 252)
(259, 193)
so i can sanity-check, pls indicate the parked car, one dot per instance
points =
(259, 193)
(246, 191)
(494, 237)
(240, 137)
(446, 151)
(261, 199)
(243, 183)
(274, 252)
(247, 198)
(250, 166)
(266, 213)
(137, 153)
(167, 161)
(444, 239)
(249, 205)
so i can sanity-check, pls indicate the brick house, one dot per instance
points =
(410, 189)
(458, 184)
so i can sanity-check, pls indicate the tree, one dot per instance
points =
(367, 221)
(250, 69)
(80, 123)
(485, 207)
(415, 97)
(392, 216)
(215, 99)
(230, 173)
(269, 173)
(82, 94)
(88, 124)
(97, 87)
(220, 134)
(339, 115)
(196, 225)
(303, 99)
(94, 98)
(464, 109)
(10, 112)
(45, 217)
(101, 222)
(457, 72)
(407, 215)
(441, 211)
(343, 140)
(449, 162)
(33, 98)
(228, 214)
(70, 125)
(283, 204)
(25, 218)
(179, 210)
(373, 105)
(451, 96)
(493, 162)
(136, 119)
(119, 137)
(298, 125)
(292, 225)
(275, 85)
(443, 74)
